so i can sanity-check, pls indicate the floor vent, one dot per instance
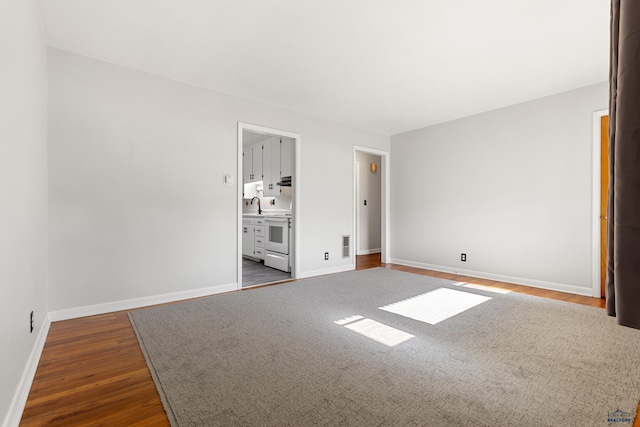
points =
(346, 246)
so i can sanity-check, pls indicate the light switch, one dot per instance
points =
(228, 179)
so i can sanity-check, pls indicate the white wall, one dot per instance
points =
(510, 188)
(137, 203)
(23, 195)
(369, 216)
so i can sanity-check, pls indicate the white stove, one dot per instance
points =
(277, 242)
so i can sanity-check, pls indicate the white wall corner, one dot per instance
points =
(19, 401)
(331, 270)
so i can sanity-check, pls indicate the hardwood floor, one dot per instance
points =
(92, 371)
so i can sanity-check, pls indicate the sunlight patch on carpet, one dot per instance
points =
(487, 288)
(436, 306)
(482, 287)
(376, 331)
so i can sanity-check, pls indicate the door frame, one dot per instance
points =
(595, 217)
(385, 215)
(356, 234)
(295, 208)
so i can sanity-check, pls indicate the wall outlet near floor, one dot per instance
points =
(463, 257)
(31, 323)
(326, 256)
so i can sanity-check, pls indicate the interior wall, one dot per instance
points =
(511, 188)
(23, 186)
(369, 215)
(137, 202)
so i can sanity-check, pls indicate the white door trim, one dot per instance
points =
(595, 233)
(385, 220)
(356, 205)
(295, 209)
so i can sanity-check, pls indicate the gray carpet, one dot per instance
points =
(275, 356)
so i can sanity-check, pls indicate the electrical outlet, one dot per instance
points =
(326, 256)
(31, 323)
(463, 257)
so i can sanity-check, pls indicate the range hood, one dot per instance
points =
(285, 181)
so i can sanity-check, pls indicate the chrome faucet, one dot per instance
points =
(259, 209)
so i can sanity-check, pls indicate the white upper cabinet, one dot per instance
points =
(286, 157)
(268, 161)
(247, 165)
(252, 163)
(257, 162)
(271, 158)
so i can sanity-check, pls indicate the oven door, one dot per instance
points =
(277, 235)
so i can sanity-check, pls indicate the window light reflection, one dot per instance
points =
(376, 331)
(482, 287)
(436, 306)
(487, 288)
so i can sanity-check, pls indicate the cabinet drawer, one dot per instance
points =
(259, 242)
(278, 261)
(259, 230)
(258, 221)
(258, 253)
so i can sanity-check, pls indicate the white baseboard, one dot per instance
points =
(92, 310)
(324, 271)
(16, 409)
(368, 251)
(560, 287)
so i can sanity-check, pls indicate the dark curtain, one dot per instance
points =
(623, 212)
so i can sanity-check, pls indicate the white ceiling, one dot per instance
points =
(381, 65)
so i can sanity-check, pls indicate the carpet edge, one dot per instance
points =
(152, 370)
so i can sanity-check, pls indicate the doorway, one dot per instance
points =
(600, 199)
(371, 220)
(368, 204)
(268, 194)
